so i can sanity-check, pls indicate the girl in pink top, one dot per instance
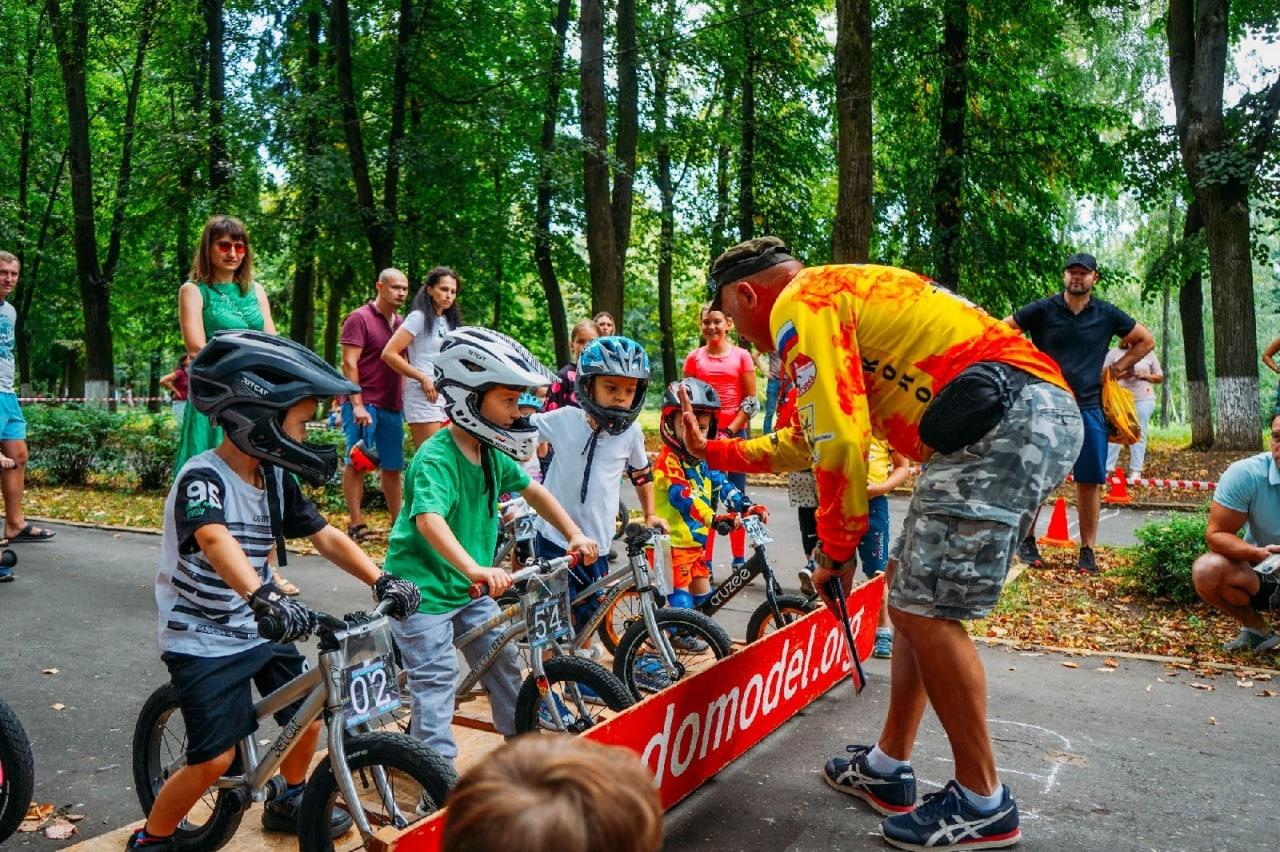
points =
(730, 370)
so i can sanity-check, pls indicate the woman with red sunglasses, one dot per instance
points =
(220, 294)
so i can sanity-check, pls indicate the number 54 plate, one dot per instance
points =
(371, 689)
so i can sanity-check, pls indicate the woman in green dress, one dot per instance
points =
(220, 295)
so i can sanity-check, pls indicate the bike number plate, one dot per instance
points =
(757, 531)
(546, 607)
(371, 689)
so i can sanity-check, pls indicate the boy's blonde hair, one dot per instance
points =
(554, 793)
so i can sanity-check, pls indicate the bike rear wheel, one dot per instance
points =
(638, 665)
(417, 782)
(17, 772)
(580, 710)
(624, 612)
(790, 607)
(159, 750)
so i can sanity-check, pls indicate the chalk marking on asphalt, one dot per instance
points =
(1075, 525)
(1002, 770)
(1052, 778)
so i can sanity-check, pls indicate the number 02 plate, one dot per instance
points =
(372, 690)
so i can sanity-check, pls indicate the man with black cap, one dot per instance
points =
(883, 351)
(1075, 330)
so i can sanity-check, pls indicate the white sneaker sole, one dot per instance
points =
(875, 804)
(997, 843)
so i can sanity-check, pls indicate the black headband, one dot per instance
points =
(771, 256)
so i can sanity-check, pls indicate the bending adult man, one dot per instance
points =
(373, 415)
(1229, 577)
(1075, 330)
(883, 350)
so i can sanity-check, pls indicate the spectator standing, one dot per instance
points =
(373, 415)
(1269, 358)
(13, 426)
(176, 384)
(1146, 374)
(1075, 330)
(605, 324)
(731, 372)
(773, 386)
(434, 314)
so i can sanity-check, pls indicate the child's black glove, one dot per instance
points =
(404, 596)
(280, 618)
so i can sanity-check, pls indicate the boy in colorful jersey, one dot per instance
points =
(873, 348)
(683, 490)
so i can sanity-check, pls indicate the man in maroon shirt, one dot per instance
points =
(374, 414)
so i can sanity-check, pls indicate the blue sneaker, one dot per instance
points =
(890, 794)
(567, 719)
(650, 674)
(945, 819)
(884, 644)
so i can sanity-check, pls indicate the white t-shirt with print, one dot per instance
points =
(424, 344)
(569, 434)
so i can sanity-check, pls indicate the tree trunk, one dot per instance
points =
(336, 286)
(302, 326)
(851, 235)
(747, 151)
(219, 165)
(30, 282)
(24, 141)
(1198, 41)
(1191, 314)
(720, 224)
(542, 212)
(606, 288)
(377, 230)
(666, 235)
(948, 185)
(626, 130)
(71, 33)
(146, 15)
(1164, 322)
(153, 383)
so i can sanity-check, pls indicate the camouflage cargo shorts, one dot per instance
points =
(972, 507)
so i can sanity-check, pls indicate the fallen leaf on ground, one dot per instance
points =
(1070, 665)
(75, 817)
(1266, 693)
(1111, 661)
(1148, 687)
(1104, 669)
(59, 829)
(1207, 687)
(1212, 721)
(1244, 684)
(48, 671)
(1262, 676)
(58, 706)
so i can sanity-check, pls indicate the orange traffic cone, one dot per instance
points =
(1057, 535)
(1119, 489)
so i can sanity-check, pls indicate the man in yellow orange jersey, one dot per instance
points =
(878, 350)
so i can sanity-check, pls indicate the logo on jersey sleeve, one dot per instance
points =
(803, 372)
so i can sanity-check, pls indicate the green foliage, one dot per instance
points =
(68, 443)
(1162, 560)
(146, 446)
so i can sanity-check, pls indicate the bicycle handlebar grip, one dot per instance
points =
(754, 509)
(270, 628)
(724, 523)
(478, 590)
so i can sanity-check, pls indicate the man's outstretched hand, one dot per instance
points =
(694, 441)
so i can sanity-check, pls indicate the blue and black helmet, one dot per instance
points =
(528, 400)
(612, 356)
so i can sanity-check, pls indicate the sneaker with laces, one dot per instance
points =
(1028, 554)
(1087, 564)
(566, 715)
(141, 840)
(1252, 640)
(650, 674)
(884, 643)
(806, 579)
(688, 642)
(281, 814)
(890, 794)
(946, 820)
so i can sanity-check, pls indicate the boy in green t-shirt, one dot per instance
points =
(444, 539)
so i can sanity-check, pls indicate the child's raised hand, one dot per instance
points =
(694, 441)
(589, 550)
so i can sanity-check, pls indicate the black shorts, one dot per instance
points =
(216, 699)
(1267, 598)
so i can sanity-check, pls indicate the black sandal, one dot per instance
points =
(359, 533)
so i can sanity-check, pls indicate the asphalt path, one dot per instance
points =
(1118, 757)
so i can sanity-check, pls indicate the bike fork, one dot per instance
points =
(347, 784)
(665, 653)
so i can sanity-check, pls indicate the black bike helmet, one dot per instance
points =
(245, 381)
(704, 400)
(612, 356)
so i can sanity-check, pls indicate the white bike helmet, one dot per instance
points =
(471, 361)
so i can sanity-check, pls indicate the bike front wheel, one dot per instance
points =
(399, 782)
(790, 607)
(159, 750)
(578, 689)
(17, 772)
(694, 639)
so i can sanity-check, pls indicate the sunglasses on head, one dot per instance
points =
(227, 245)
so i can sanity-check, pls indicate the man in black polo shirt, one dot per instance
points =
(1075, 329)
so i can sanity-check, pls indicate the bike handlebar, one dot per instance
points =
(725, 523)
(539, 566)
(271, 629)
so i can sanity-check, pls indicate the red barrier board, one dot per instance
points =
(689, 732)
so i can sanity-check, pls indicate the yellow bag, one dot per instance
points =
(1120, 411)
